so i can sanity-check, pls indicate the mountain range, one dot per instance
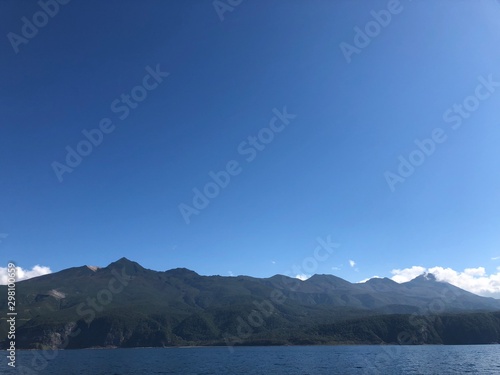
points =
(126, 305)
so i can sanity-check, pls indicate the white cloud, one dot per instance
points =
(475, 280)
(407, 274)
(230, 273)
(480, 271)
(352, 263)
(495, 258)
(24, 274)
(302, 276)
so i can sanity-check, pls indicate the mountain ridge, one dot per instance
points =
(125, 304)
(130, 264)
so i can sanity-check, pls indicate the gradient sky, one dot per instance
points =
(323, 175)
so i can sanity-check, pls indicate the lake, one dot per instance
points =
(286, 360)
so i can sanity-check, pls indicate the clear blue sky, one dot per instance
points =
(322, 175)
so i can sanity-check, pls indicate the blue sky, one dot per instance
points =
(324, 174)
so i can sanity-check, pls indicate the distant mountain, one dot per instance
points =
(125, 304)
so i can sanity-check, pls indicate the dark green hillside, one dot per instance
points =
(126, 305)
(447, 329)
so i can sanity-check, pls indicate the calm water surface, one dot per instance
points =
(292, 360)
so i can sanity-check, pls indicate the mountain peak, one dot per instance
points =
(381, 280)
(426, 276)
(181, 272)
(327, 281)
(430, 276)
(128, 265)
(124, 260)
(381, 284)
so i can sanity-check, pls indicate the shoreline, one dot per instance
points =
(248, 346)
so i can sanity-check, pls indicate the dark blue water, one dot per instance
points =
(296, 360)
